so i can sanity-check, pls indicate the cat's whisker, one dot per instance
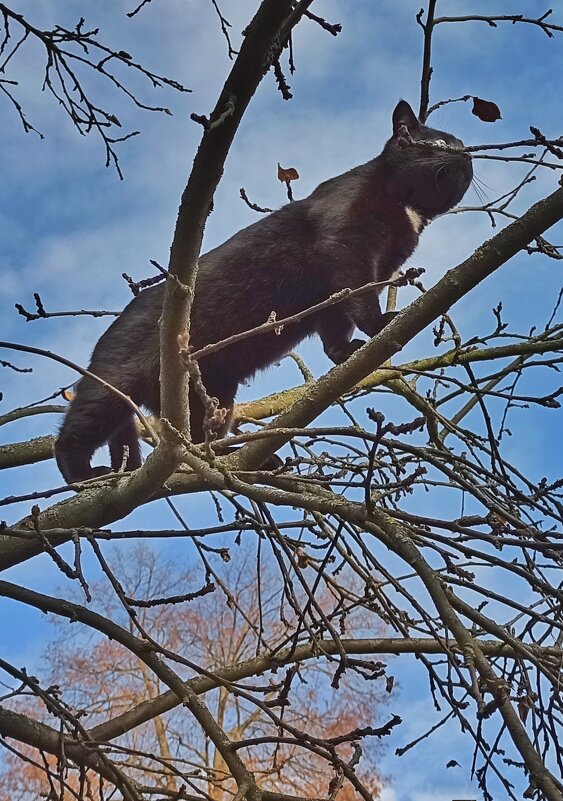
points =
(482, 196)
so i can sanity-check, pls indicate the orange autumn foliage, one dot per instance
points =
(102, 680)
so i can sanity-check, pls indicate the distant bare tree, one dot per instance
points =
(219, 627)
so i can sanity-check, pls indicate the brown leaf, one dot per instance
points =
(287, 174)
(389, 682)
(524, 706)
(486, 110)
(68, 395)
(497, 523)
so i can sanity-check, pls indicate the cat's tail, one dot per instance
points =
(94, 418)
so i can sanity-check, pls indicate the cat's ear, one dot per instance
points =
(404, 115)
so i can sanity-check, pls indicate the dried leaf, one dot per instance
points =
(453, 764)
(68, 395)
(486, 110)
(389, 682)
(523, 708)
(287, 174)
(497, 523)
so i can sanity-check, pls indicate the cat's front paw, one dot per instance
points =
(95, 472)
(383, 321)
(339, 353)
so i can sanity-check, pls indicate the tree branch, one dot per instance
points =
(423, 311)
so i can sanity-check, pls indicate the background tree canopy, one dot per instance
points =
(382, 616)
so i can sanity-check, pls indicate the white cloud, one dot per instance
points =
(388, 794)
(448, 795)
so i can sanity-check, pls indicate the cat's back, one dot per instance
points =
(263, 268)
(277, 263)
(131, 343)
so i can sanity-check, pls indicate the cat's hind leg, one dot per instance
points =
(125, 437)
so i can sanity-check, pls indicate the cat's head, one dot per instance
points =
(430, 179)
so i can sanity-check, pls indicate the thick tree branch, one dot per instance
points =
(17, 454)
(38, 735)
(264, 39)
(423, 311)
(147, 710)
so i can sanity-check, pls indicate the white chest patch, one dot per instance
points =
(417, 221)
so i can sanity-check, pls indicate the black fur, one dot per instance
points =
(351, 230)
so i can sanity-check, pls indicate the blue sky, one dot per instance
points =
(69, 227)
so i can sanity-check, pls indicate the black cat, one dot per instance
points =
(353, 229)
